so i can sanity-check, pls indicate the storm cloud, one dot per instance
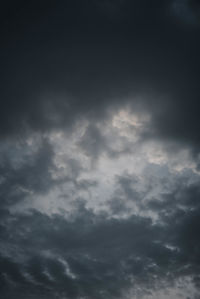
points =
(100, 149)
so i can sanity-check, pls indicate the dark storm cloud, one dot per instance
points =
(61, 60)
(100, 254)
(94, 256)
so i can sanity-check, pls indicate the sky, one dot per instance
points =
(100, 149)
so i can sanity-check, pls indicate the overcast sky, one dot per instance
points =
(100, 149)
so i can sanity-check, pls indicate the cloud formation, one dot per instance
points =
(100, 149)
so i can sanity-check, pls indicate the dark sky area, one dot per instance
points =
(100, 149)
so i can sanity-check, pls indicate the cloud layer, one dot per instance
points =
(99, 150)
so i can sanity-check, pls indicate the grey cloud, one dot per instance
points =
(93, 143)
(184, 195)
(126, 192)
(67, 61)
(86, 184)
(96, 142)
(32, 175)
(102, 255)
(127, 185)
(97, 267)
(162, 193)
